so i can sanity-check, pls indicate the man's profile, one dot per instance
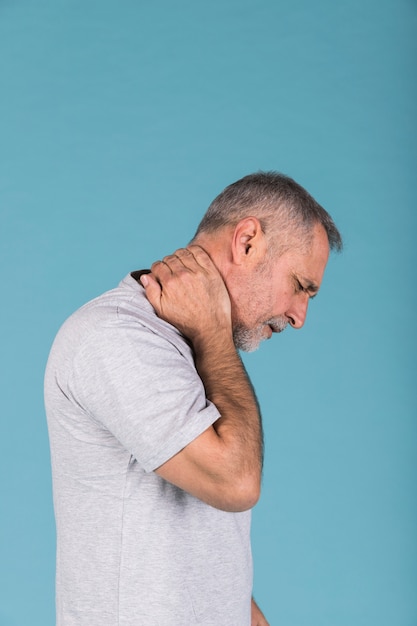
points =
(155, 430)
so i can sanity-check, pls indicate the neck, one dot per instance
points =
(218, 247)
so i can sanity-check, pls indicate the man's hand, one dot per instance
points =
(258, 618)
(187, 291)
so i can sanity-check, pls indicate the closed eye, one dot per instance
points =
(311, 289)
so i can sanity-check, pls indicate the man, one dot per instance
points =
(156, 436)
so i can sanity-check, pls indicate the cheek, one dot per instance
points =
(255, 306)
(282, 299)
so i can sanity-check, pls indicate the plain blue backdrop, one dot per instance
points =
(119, 122)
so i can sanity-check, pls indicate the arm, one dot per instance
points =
(223, 465)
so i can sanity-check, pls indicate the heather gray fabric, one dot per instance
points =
(122, 396)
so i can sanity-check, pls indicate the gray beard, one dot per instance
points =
(249, 339)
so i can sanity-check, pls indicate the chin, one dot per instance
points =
(247, 340)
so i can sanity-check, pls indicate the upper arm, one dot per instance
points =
(142, 390)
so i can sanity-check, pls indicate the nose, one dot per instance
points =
(297, 311)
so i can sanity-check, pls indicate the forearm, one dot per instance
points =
(239, 428)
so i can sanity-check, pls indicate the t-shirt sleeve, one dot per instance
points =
(142, 389)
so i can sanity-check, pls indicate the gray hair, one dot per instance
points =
(284, 208)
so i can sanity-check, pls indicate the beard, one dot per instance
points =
(248, 339)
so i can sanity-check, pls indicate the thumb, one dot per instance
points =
(152, 288)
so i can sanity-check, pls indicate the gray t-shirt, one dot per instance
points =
(122, 397)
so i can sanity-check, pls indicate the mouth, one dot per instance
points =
(276, 327)
(271, 330)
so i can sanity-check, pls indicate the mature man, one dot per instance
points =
(155, 431)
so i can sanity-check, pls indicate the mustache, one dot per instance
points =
(278, 324)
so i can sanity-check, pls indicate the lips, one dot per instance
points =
(277, 327)
(274, 330)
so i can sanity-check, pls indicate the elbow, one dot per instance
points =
(242, 494)
(248, 495)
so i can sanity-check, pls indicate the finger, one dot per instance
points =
(161, 269)
(201, 257)
(152, 288)
(174, 261)
(183, 256)
(182, 259)
(183, 253)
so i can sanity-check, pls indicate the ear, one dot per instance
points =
(249, 244)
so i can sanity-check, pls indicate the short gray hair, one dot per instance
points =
(283, 207)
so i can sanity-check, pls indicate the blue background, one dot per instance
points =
(119, 122)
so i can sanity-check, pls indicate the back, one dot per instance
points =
(123, 396)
